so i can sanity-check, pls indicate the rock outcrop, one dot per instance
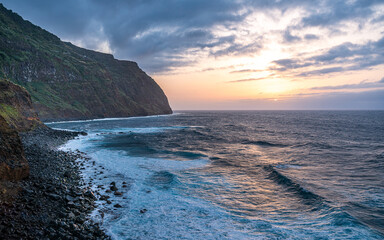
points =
(69, 82)
(16, 115)
(16, 107)
(13, 164)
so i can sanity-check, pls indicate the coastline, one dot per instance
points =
(53, 202)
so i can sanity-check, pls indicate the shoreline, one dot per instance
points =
(53, 202)
(105, 119)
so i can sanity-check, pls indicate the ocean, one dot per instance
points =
(237, 174)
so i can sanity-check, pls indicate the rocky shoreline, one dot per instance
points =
(53, 203)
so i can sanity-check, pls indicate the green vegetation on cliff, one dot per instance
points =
(68, 82)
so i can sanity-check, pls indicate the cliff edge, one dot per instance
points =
(68, 82)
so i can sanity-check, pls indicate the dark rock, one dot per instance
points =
(113, 188)
(104, 197)
(117, 205)
(118, 193)
(143, 210)
(67, 174)
(90, 194)
(54, 196)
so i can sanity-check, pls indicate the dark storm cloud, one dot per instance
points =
(141, 30)
(155, 32)
(144, 30)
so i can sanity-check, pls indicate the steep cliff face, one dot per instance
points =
(16, 115)
(68, 82)
(13, 165)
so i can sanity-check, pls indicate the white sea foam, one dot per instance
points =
(170, 213)
(112, 119)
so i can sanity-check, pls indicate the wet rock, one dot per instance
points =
(113, 188)
(90, 194)
(54, 196)
(143, 210)
(117, 205)
(104, 197)
(71, 215)
(118, 193)
(67, 174)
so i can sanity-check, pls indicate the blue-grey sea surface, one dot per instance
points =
(238, 174)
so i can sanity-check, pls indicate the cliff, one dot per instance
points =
(69, 82)
(16, 115)
(13, 164)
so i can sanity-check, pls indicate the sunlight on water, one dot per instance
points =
(238, 175)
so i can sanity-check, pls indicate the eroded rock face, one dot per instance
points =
(13, 164)
(16, 107)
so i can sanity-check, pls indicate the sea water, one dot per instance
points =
(238, 174)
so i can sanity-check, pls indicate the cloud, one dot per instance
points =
(237, 49)
(247, 71)
(146, 30)
(250, 79)
(346, 57)
(322, 71)
(311, 37)
(289, 38)
(332, 13)
(361, 85)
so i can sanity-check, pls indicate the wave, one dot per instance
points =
(317, 145)
(306, 196)
(162, 178)
(263, 143)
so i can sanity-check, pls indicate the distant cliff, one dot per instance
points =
(68, 82)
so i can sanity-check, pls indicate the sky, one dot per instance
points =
(238, 54)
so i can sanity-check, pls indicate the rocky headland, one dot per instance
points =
(68, 82)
